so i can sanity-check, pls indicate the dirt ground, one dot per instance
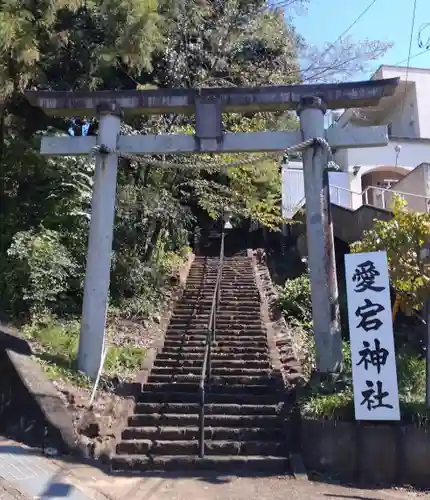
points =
(262, 489)
(211, 487)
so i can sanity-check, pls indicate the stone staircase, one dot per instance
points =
(244, 411)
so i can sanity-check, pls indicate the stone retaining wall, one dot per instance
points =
(371, 454)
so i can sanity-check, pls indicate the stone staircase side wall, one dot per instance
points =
(279, 334)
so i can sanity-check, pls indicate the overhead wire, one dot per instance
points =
(412, 57)
(339, 38)
(414, 15)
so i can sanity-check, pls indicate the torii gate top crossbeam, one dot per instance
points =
(273, 98)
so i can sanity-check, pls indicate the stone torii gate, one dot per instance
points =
(310, 101)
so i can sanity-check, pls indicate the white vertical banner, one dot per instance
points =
(374, 373)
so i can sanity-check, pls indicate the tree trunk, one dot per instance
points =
(153, 241)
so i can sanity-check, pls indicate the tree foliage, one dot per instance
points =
(402, 238)
(128, 44)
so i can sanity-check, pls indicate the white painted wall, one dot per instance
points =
(412, 154)
(417, 183)
(293, 189)
(417, 108)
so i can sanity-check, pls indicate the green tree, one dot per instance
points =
(119, 44)
(402, 238)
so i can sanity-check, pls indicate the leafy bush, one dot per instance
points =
(411, 375)
(303, 344)
(295, 300)
(38, 271)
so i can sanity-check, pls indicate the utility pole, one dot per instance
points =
(321, 255)
(99, 256)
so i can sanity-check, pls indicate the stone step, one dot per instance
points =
(226, 464)
(203, 331)
(220, 315)
(187, 308)
(192, 433)
(267, 398)
(225, 288)
(233, 298)
(216, 371)
(217, 351)
(210, 409)
(191, 447)
(221, 363)
(221, 323)
(172, 419)
(225, 379)
(226, 279)
(220, 335)
(219, 343)
(226, 291)
(228, 302)
(217, 355)
(227, 276)
(238, 389)
(221, 338)
(226, 283)
(239, 321)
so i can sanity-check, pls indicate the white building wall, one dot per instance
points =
(417, 183)
(418, 111)
(412, 153)
(404, 118)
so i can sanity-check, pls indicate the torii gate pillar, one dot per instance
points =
(319, 231)
(99, 255)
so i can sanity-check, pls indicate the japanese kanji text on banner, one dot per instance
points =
(374, 374)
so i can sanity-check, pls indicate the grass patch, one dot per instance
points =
(55, 346)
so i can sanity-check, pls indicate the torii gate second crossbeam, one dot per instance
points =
(310, 101)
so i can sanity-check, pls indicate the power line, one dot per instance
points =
(345, 32)
(412, 57)
(414, 15)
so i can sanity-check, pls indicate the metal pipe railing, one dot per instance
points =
(207, 360)
(380, 190)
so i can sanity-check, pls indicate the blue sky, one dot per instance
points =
(387, 20)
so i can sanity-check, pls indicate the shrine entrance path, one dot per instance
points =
(25, 474)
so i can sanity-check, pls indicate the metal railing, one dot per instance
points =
(210, 339)
(385, 196)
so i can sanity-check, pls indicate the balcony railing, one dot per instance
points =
(374, 196)
(378, 197)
